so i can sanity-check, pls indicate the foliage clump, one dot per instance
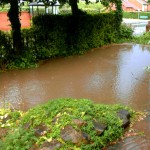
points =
(143, 39)
(56, 115)
(126, 32)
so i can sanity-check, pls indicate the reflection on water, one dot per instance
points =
(131, 74)
(110, 74)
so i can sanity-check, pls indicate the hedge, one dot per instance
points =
(63, 35)
(135, 15)
(53, 35)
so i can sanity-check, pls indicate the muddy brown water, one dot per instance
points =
(109, 75)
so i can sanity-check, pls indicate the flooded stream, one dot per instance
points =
(110, 74)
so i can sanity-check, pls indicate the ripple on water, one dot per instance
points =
(110, 74)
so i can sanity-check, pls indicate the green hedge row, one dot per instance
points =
(62, 35)
(5, 47)
(135, 15)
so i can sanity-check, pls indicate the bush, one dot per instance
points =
(9, 60)
(5, 47)
(67, 35)
(126, 32)
(143, 39)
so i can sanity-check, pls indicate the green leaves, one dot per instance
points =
(54, 116)
(142, 39)
(126, 32)
(19, 140)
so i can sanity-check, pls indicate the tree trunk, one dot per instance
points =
(13, 15)
(74, 7)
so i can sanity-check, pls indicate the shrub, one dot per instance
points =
(67, 35)
(5, 47)
(143, 39)
(126, 32)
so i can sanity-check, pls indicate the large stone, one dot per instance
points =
(74, 136)
(99, 127)
(79, 122)
(53, 145)
(124, 115)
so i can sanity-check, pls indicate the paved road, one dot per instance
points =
(138, 25)
(135, 21)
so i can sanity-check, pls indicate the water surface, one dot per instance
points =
(109, 75)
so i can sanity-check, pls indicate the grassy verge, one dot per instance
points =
(135, 15)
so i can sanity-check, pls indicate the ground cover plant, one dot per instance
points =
(49, 125)
(142, 39)
(126, 32)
